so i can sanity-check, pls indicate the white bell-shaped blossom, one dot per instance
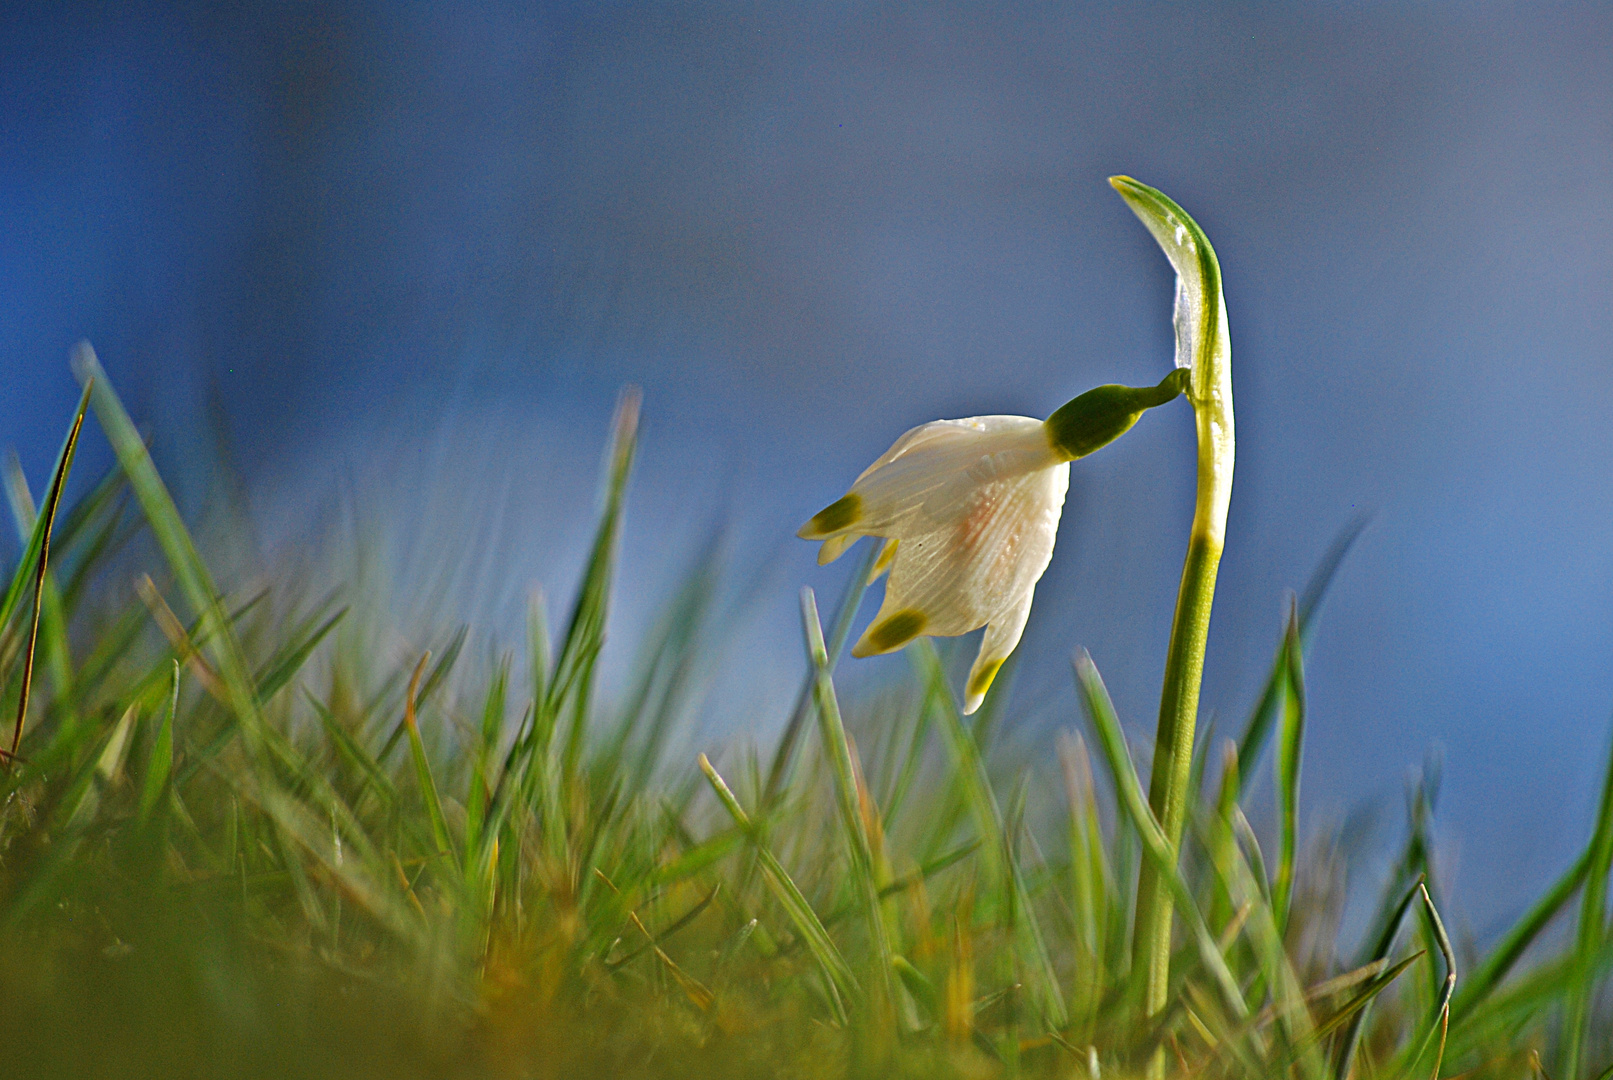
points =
(969, 510)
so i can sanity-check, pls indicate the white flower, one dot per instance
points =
(968, 510)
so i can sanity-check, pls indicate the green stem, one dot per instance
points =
(1168, 789)
(1203, 347)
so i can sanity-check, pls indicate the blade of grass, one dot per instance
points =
(1089, 873)
(491, 735)
(1440, 1021)
(53, 621)
(21, 577)
(42, 527)
(1258, 728)
(911, 761)
(285, 664)
(1376, 984)
(835, 969)
(571, 685)
(833, 733)
(1521, 935)
(94, 528)
(1290, 750)
(1128, 788)
(1592, 929)
(76, 809)
(422, 767)
(186, 564)
(697, 858)
(1276, 972)
(660, 938)
(349, 748)
(160, 765)
(1345, 1058)
(435, 679)
(845, 613)
(969, 773)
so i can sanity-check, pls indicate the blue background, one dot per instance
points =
(413, 251)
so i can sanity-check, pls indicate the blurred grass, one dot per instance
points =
(217, 861)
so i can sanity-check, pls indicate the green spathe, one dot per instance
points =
(1104, 413)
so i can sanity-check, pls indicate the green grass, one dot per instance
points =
(239, 839)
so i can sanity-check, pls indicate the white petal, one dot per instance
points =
(886, 555)
(995, 544)
(835, 546)
(1002, 635)
(931, 468)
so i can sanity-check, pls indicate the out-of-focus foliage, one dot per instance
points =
(239, 839)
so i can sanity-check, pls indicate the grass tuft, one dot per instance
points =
(215, 859)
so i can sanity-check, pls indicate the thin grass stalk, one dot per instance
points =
(1258, 727)
(832, 730)
(1522, 934)
(160, 766)
(841, 982)
(190, 572)
(784, 756)
(1276, 972)
(1439, 1020)
(53, 622)
(1223, 837)
(1290, 751)
(969, 772)
(53, 500)
(1089, 880)
(422, 767)
(1351, 1039)
(585, 633)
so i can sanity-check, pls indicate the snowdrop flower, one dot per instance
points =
(968, 510)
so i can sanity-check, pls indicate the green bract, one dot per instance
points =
(1202, 344)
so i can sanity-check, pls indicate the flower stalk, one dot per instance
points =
(1203, 349)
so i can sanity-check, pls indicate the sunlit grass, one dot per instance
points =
(239, 842)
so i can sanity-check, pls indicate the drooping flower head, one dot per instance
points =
(969, 510)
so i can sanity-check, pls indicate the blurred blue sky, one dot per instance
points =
(414, 250)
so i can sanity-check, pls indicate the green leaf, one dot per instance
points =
(1201, 314)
